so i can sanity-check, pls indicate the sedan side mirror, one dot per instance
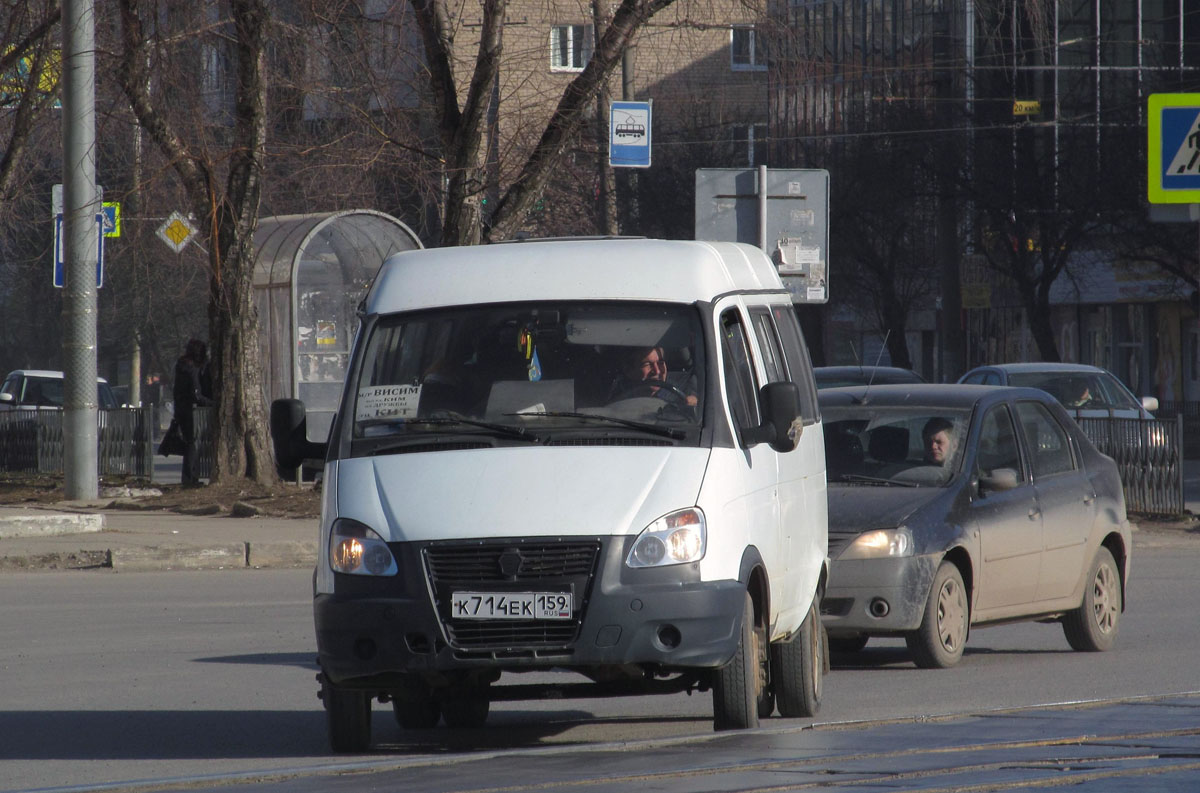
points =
(289, 435)
(779, 404)
(1150, 403)
(6, 397)
(1001, 479)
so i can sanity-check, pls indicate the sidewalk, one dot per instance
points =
(68, 536)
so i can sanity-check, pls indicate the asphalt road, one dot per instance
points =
(207, 679)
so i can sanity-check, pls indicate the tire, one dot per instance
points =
(763, 685)
(851, 643)
(1093, 626)
(416, 709)
(938, 643)
(799, 666)
(348, 717)
(467, 712)
(735, 685)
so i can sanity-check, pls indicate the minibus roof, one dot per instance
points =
(678, 271)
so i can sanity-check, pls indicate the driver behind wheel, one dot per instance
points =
(644, 373)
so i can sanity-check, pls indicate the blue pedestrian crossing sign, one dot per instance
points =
(1173, 149)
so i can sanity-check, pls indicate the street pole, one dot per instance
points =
(81, 203)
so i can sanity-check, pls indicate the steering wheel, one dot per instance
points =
(673, 392)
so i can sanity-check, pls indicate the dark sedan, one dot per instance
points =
(953, 506)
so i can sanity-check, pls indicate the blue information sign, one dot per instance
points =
(59, 269)
(629, 135)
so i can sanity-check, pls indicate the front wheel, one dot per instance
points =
(799, 667)
(1093, 626)
(938, 643)
(736, 685)
(348, 717)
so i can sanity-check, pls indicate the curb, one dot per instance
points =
(49, 525)
(229, 556)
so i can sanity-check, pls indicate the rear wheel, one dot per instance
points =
(799, 667)
(938, 643)
(1093, 626)
(735, 687)
(467, 711)
(415, 708)
(348, 717)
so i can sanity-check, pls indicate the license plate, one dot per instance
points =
(511, 605)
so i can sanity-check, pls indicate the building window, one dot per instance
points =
(570, 47)
(747, 52)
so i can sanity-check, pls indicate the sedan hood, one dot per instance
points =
(518, 492)
(858, 508)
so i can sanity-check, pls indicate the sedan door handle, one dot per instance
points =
(1035, 513)
(1089, 499)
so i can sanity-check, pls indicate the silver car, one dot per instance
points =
(1085, 391)
(952, 506)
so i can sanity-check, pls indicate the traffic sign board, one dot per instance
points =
(60, 269)
(1173, 149)
(177, 232)
(629, 135)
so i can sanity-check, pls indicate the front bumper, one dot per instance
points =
(380, 630)
(877, 596)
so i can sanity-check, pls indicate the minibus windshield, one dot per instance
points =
(519, 373)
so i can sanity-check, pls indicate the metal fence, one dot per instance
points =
(1149, 455)
(31, 441)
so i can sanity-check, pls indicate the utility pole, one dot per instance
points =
(81, 204)
(607, 214)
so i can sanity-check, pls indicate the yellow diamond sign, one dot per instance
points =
(177, 232)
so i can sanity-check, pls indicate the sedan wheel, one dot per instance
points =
(938, 643)
(1093, 626)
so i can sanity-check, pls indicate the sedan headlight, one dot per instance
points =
(675, 538)
(880, 544)
(358, 550)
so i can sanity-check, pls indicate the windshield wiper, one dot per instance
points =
(874, 480)
(666, 432)
(504, 430)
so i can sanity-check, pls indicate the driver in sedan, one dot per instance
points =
(644, 373)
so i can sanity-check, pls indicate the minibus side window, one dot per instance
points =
(768, 344)
(740, 385)
(798, 363)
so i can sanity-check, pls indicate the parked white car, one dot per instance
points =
(33, 389)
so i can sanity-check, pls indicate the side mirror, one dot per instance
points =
(1150, 403)
(779, 404)
(289, 435)
(1000, 480)
(6, 398)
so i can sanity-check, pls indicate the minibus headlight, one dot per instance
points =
(880, 544)
(357, 550)
(676, 538)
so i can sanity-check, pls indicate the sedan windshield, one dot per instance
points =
(886, 445)
(533, 372)
(1082, 390)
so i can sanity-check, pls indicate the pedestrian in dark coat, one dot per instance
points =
(193, 386)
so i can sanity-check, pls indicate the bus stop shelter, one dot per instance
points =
(310, 274)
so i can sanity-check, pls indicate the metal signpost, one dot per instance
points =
(783, 211)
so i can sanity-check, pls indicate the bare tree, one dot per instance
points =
(226, 209)
(29, 65)
(462, 104)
